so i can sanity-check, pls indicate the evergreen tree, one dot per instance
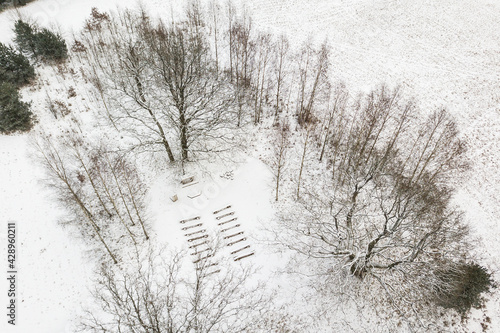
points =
(15, 115)
(25, 37)
(50, 45)
(14, 66)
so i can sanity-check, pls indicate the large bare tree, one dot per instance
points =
(384, 209)
(197, 103)
(158, 81)
(118, 66)
(164, 292)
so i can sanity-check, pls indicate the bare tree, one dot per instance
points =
(156, 295)
(335, 115)
(307, 137)
(121, 72)
(160, 81)
(196, 103)
(262, 59)
(320, 79)
(282, 48)
(195, 16)
(386, 207)
(124, 184)
(101, 185)
(231, 13)
(313, 79)
(242, 51)
(214, 9)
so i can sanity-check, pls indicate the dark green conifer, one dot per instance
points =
(15, 115)
(15, 68)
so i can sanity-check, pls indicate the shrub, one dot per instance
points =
(460, 286)
(15, 68)
(15, 115)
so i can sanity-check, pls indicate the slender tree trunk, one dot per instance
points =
(136, 209)
(118, 186)
(82, 206)
(302, 161)
(256, 101)
(157, 123)
(90, 218)
(262, 88)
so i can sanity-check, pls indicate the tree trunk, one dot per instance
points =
(157, 123)
(184, 135)
(302, 161)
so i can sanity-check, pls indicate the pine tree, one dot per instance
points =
(44, 43)
(51, 46)
(14, 66)
(25, 38)
(15, 115)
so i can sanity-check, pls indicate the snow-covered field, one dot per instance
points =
(445, 53)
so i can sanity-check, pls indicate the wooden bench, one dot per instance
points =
(187, 180)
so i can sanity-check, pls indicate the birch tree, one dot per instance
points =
(313, 79)
(100, 186)
(122, 75)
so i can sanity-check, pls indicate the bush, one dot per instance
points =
(44, 43)
(15, 115)
(15, 68)
(460, 287)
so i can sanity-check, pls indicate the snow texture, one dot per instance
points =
(444, 53)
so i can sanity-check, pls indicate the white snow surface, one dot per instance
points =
(53, 270)
(445, 53)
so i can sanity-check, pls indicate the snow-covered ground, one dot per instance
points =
(443, 52)
(53, 270)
